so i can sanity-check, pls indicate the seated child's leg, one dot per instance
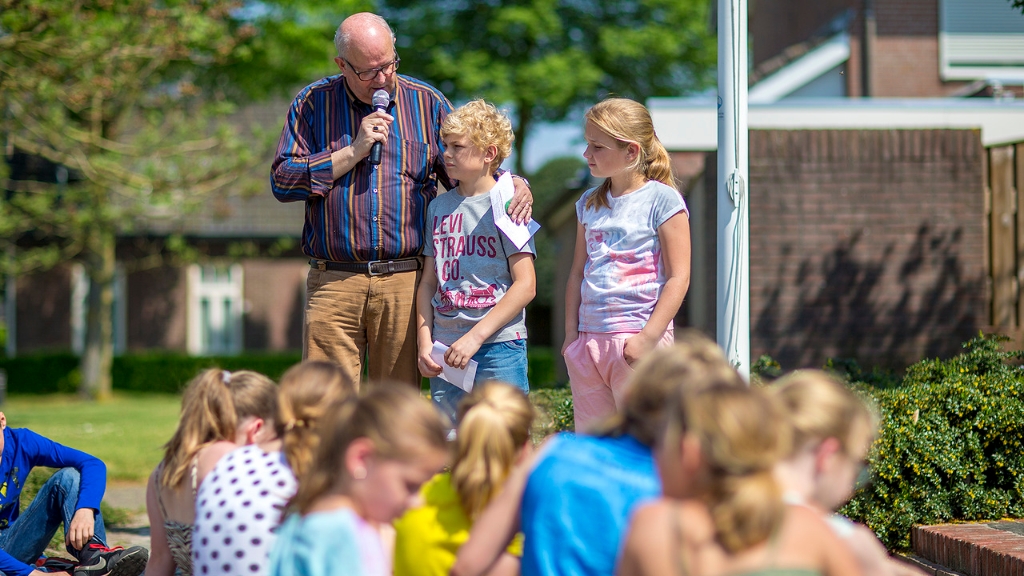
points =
(591, 394)
(53, 506)
(446, 397)
(504, 361)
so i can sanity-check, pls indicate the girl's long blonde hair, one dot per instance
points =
(818, 406)
(307, 390)
(211, 406)
(629, 122)
(742, 435)
(399, 423)
(495, 423)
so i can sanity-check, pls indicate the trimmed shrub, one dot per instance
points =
(949, 448)
(41, 373)
(541, 371)
(167, 372)
(170, 373)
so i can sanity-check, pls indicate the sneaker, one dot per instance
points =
(98, 560)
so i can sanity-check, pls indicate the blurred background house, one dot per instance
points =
(885, 162)
(239, 287)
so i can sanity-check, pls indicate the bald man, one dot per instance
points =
(365, 224)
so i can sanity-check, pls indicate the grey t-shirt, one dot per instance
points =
(471, 262)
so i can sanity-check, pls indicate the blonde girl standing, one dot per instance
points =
(374, 454)
(631, 266)
(494, 436)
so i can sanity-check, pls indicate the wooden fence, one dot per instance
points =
(1003, 176)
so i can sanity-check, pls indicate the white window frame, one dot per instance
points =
(978, 54)
(80, 308)
(215, 307)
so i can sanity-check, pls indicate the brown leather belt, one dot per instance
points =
(372, 268)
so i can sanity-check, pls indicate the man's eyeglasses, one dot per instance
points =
(370, 74)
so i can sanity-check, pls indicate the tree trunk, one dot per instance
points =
(98, 356)
(525, 116)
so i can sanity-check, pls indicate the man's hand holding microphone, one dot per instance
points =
(374, 129)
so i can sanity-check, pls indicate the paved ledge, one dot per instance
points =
(982, 549)
(929, 568)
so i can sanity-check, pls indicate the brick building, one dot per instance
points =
(243, 292)
(891, 48)
(873, 244)
(885, 158)
(222, 303)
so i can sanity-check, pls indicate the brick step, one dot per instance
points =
(982, 549)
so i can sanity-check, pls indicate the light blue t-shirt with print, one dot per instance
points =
(579, 500)
(331, 543)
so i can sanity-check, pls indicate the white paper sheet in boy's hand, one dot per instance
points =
(461, 377)
(501, 195)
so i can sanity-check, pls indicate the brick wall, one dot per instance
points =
(44, 311)
(157, 315)
(865, 244)
(905, 62)
(274, 301)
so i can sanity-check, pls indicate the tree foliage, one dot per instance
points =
(111, 93)
(292, 44)
(548, 57)
(1019, 4)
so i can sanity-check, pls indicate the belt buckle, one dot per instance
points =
(320, 264)
(383, 263)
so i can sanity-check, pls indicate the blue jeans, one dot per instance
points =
(503, 361)
(26, 538)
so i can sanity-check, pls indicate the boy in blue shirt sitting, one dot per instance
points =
(70, 497)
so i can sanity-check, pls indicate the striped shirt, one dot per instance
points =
(370, 213)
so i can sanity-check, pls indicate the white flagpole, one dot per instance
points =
(733, 206)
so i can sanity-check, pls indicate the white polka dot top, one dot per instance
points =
(238, 506)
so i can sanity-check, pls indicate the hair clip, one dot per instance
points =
(297, 423)
(226, 376)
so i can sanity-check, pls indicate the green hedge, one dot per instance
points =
(41, 374)
(168, 372)
(949, 448)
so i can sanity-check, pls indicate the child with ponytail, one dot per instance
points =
(716, 455)
(220, 410)
(573, 502)
(833, 430)
(374, 454)
(493, 437)
(631, 266)
(241, 503)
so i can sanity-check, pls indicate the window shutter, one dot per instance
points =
(980, 39)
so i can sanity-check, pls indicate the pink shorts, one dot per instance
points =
(599, 375)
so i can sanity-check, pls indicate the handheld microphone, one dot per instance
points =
(380, 101)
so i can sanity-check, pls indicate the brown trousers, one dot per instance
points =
(352, 316)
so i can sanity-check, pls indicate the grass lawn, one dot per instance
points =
(127, 433)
